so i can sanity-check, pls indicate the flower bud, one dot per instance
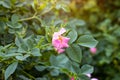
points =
(93, 50)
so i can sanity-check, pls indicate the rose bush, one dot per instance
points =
(39, 41)
(53, 39)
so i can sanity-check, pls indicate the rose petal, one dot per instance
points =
(60, 50)
(62, 30)
(56, 43)
(89, 75)
(94, 79)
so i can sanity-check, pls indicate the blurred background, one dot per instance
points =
(102, 18)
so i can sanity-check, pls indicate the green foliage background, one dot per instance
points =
(26, 28)
(102, 19)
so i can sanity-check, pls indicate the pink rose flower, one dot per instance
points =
(93, 50)
(94, 79)
(72, 78)
(89, 75)
(59, 42)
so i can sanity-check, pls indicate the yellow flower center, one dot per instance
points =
(60, 38)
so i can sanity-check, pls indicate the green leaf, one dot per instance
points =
(59, 61)
(65, 8)
(74, 52)
(2, 27)
(40, 68)
(44, 78)
(21, 43)
(54, 72)
(17, 25)
(10, 70)
(21, 57)
(58, 6)
(21, 4)
(36, 52)
(30, 42)
(24, 47)
(84, 77)
(23, 77)
(13, 54)
(109, 50)
(14, 18)
(76, 22)
(47, 9)
(72, 35)
(87, 69)
(10, 24)
(87, 41)
(14, 25)
(5, 4)
(74, 67)
(18, 41)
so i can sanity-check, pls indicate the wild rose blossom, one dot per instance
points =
(93, 50)
(89, 75)
(72, 78)
(60, 42)
(94, 79)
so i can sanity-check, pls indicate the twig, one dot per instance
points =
(26, 19)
